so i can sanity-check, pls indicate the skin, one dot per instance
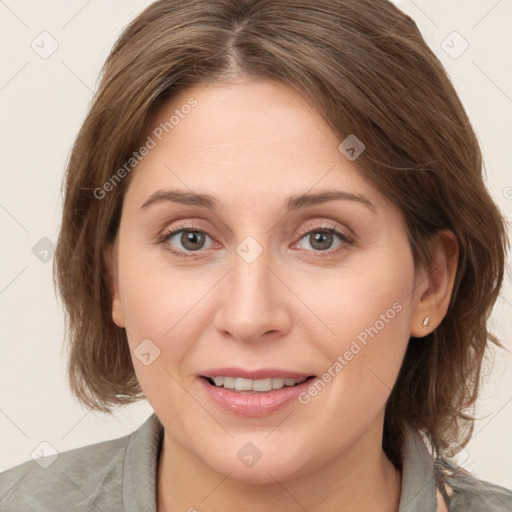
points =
(252, 144)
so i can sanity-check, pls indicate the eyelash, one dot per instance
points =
(329, 228)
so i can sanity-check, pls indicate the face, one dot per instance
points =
(261, 284)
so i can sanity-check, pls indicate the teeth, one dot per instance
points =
(229, 382)
(261, 385)
(243, 384)
(277, 383)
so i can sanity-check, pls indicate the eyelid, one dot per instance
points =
(328, 225)
(324, 224)
(184, 226)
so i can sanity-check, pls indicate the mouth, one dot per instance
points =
(252, 386)
(253, 398)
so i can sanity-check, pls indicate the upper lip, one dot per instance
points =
(262, 373)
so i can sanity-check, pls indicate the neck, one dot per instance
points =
(361, 478)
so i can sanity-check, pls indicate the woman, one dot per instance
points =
(276, 230)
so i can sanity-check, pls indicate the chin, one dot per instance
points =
(244, 465)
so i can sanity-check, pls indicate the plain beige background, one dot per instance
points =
(52, 54)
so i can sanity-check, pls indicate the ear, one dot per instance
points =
(117, 306)
(433, 290)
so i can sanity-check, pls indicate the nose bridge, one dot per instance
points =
(251, 304)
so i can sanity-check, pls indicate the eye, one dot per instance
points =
(321, 238)
(187, 240)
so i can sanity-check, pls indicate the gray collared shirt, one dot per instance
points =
(120, 476)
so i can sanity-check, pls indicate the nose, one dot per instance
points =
(253, 304)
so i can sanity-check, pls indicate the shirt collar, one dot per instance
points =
(141, 466)
(418, 477)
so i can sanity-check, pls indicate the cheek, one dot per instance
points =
(369, 298)
(165, 315)
(160, 326)
(367, 309)
(156, 298)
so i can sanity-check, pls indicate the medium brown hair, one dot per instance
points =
(366, 69)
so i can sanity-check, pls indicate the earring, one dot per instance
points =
(426, 322)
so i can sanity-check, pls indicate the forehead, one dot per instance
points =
(243, 114)
(254, 140)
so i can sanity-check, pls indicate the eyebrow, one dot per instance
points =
(292, 203)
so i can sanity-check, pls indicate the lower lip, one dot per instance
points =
(254, 404)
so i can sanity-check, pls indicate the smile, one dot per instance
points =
(253, 397)
(260, 385)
